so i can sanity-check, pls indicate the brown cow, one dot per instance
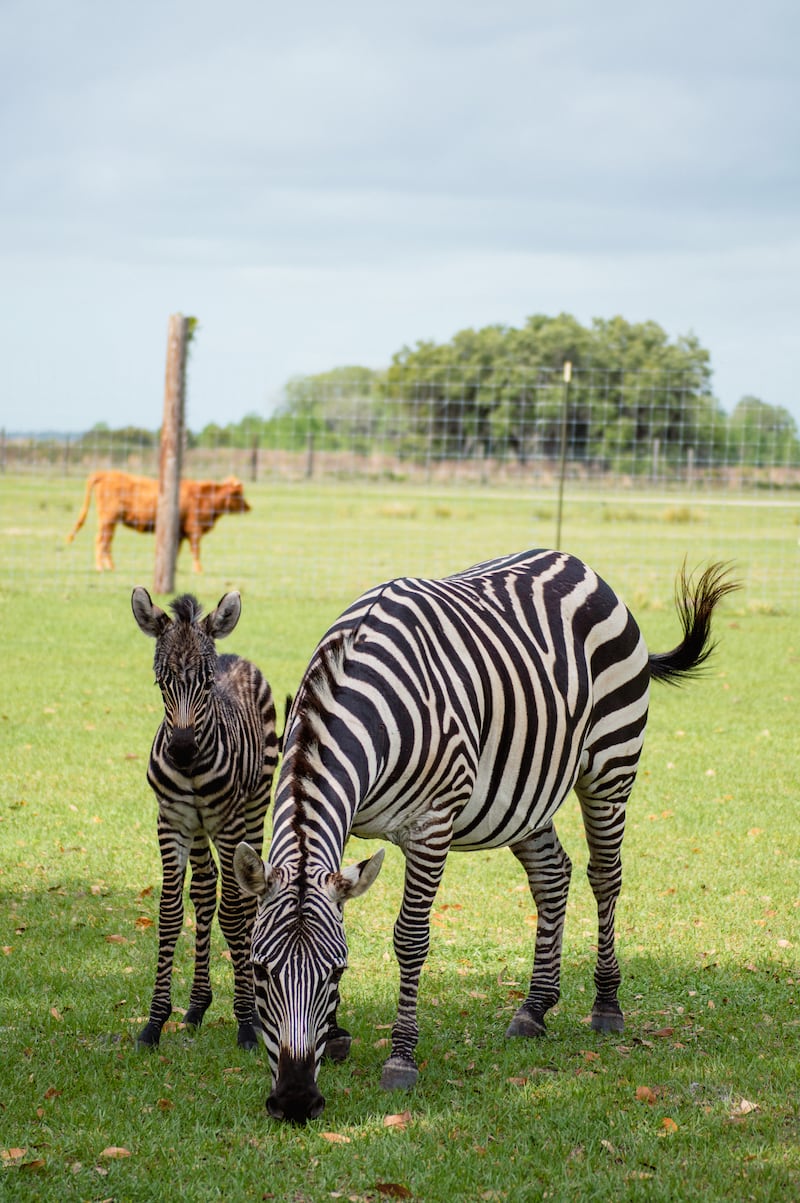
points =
(132, 500)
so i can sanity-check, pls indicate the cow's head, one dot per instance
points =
(232, 499)
(299, 953)
(185, 663)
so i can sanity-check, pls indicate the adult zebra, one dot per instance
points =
(441, 714)
(211, 768)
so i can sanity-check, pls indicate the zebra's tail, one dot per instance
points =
(91, 482)
(695, 605)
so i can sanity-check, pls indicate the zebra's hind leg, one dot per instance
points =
(549, 870)
(203, 893)
(604, 822)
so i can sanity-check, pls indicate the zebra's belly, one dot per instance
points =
(507, 818)
(503, 807)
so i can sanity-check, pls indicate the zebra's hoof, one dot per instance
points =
(247, 1037)
(607, 1017)
(525, 1023)
(193, 1018)
(337, 1046)
(399, 1074)
(149, 1036)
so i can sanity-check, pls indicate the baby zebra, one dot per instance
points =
(211, 768)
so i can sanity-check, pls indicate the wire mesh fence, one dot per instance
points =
(351, 484)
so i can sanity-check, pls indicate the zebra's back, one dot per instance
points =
(491, 692)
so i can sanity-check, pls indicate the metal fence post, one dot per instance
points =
(563, 456)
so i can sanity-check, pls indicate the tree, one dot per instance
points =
(763, 434)
(501, 387)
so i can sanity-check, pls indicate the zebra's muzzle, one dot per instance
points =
(182, 748)
(296, 1096)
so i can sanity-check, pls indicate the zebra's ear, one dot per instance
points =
(355, 879)
(252, 874)
(151, 620)
(220, 622)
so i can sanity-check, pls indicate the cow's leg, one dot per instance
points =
(425, 855)
(549, 869)
(102, 546)
(174, 846)
(203, 893)
(194, 544)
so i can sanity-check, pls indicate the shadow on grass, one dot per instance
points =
(697, 1098)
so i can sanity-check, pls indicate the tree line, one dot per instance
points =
(500, 391)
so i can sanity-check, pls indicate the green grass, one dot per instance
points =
(707, 926)
(307, 542)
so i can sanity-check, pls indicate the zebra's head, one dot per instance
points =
(299, 953)
(185, 663)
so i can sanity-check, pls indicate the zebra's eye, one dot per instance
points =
(336, 975)
(264, 973)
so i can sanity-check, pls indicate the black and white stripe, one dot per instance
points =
(453, 714)
(211, 768)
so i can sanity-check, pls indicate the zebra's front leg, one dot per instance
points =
(604, 823)
(236, 915)
(549, 870)
(338, 1039)
(425, 861)
(203, 893)
(174, 847)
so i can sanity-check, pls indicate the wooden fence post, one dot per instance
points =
(169, 477)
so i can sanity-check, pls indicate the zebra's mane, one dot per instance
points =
(186, 608)
(319, 688)
(316, 695)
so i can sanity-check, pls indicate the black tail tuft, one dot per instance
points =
(695, 605)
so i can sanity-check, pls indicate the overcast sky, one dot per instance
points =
(321, 183)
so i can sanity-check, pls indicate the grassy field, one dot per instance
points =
(309, 543)
(697, 1099)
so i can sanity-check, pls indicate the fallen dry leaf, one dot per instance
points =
(8, 1155)
(394, 1190)
(335, 1138)
(401, 1120)
(142, 922)
(115, 1151)
(744, 1107)
(669, 1125)
(116, 939)
(645, 1095)
(54, 1011)
(36, 1164)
